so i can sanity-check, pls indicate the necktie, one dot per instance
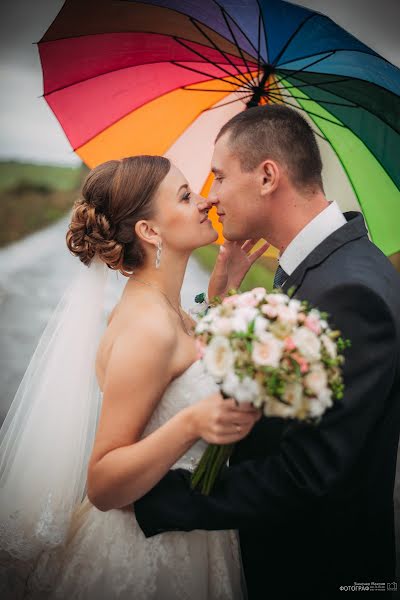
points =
(280, 277)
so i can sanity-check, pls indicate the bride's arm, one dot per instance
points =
(124, 467)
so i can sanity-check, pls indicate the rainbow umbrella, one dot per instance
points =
(162, 76)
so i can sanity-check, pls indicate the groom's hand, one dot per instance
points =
(233, 263)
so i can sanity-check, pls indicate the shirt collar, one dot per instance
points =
(315, 232)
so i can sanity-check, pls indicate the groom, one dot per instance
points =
(313, 504)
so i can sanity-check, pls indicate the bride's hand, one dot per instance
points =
(222, 421)
(233, 262)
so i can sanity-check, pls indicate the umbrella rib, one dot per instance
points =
(356, 105)
(346, 172)
(317, 84)
(261, 15)
(225, 104)
(63, 87)
(323, 137)
(328, 55)
(208, 61)
(308, 112)
(291, 38)
(341, 124)
(208, 27)
(319, 100)
(190, 89)
(259, 41)
(224, 14)
(338, 50)
(222, 9)
(215, 46)
(239, 85)
(362, 81)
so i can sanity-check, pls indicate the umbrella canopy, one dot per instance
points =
(163, 76)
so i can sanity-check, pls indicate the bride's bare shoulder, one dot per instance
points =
(136, 330)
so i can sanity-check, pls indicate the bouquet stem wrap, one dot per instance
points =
(209, 467)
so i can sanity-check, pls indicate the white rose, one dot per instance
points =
(274, 408)
(218, 357)
(248, 390)
(315, 408)
(293, 394)
(316, 380)
(221, 326)
(239, 324)
(202, 326)
(246, 299)
(308, 343)
(281, 328)
(230, 384)
(295, 304)
(325, 397)
(330, 346)
(267, 351)
(259, 293)
(248, 313)
(260, 325)
(270, 311)
(275, 299)
(287, 314)
(242, 318)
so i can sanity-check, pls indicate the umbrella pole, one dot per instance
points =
(260, 88)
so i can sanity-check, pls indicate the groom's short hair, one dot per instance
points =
(279, 133)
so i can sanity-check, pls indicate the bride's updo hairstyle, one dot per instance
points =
(115, 196)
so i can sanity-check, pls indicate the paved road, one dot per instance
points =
(33, 275)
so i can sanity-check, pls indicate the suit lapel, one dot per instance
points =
(352, 230)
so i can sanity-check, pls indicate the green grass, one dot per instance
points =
(34, 196)
(258, 276)
(13, 174)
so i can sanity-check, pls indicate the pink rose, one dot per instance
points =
(270, 311)
(230, 299)
(286, 314)
(303, 364)
(259, 293)
(289, 344)
(247, 299)
(313, 324)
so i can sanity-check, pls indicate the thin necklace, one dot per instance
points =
(178, 312)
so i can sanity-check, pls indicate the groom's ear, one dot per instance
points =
(270, 176)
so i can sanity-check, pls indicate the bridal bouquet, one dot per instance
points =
(273, 351)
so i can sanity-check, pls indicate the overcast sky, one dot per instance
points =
(28, 129)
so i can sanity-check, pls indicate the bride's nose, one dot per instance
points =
(203, 204)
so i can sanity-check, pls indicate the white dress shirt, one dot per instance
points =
(315, 232)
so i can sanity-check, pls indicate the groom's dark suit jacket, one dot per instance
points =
(314, 504)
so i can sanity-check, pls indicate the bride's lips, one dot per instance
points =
(220, 216)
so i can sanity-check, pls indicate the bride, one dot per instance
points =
(98, 421)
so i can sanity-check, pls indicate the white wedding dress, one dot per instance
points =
(107, 556)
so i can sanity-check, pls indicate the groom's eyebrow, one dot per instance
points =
(216, 171)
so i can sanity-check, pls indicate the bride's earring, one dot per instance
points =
(158, 256)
